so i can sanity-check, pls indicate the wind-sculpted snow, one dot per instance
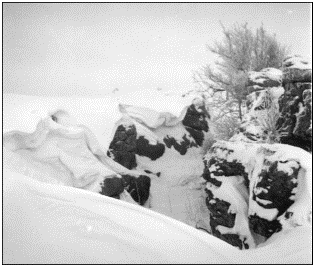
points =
(52, 224)
(161, 144)
(75, 158)
(256, 190)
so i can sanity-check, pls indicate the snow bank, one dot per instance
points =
(51, 224)
(23, 112)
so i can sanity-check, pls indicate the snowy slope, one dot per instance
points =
(47, 223)
(78, 226)
(24, 112)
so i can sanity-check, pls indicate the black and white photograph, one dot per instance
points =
(157, 133)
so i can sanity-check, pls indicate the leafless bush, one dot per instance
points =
(269, 120)
(226, 127)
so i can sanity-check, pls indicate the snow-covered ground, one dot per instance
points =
(48, 223)
(22, 112)
(92, 228)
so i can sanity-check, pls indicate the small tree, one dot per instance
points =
(268, 121)
(239, 52)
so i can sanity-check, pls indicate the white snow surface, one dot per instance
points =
(52, 224)
(266, 74)
(44, 222)
(174, 196)
(297, 61)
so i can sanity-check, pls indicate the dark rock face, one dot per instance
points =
(127, 142)
(144, 148)
(125, 145)
(112, 187)
(223, 166)
(182, 147)
(273, 191)
(270, 183)
(264, 227)
(295, 105)
(296, 69)
(295, 120)
(195, 122)
(275, 186)
(220, 215)
(138, 187)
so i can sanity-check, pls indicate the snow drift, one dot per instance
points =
(53, 224)
(78, 226)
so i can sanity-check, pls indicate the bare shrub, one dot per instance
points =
(269, 119)
(226, 127)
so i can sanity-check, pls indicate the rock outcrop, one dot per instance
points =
(69, 154)
(171, 149)
(266, 78)
(262, 107)
(157, 142)
(295, 105)
(256, 190)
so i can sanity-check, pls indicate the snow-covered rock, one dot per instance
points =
(169, 147)
(261, 117)
(296, 69)
(70, 154)
(295, 104)
(266, 78)
(257, 190)
(279, 114)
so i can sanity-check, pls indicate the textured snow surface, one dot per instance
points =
(49, 224)
(297, 61)
(265, 74)
(173, 197)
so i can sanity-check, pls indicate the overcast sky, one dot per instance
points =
(91, 49)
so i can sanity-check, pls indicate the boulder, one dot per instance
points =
(296, 69)
(143, 138)
(295, 105)
(266, 78)
(170, 149)
(256, 190)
